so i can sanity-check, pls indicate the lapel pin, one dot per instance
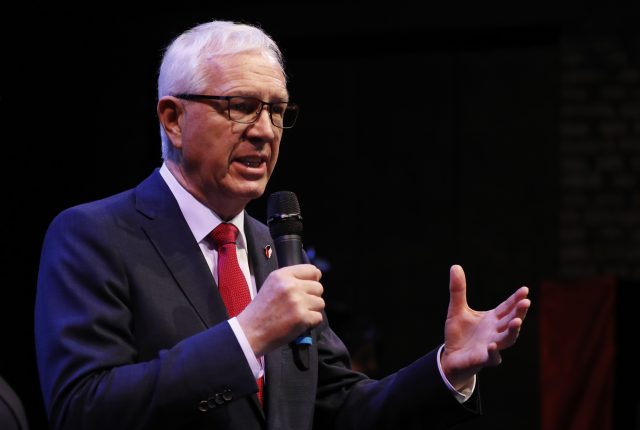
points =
(268, 251)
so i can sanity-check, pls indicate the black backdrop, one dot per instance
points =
(429, 138)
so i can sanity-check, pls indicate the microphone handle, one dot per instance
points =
(289, 251)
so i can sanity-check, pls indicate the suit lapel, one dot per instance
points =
(263, 263)
(258, 238)
(167, 229)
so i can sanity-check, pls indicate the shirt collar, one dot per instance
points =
(201, 219)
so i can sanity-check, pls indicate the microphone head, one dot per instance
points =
(283, 214)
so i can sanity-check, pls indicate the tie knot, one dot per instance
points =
(224, 233)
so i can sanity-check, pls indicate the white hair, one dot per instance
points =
(184, 67)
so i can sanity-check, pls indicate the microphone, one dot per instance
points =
(285, 225)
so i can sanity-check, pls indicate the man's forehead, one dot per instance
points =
(247, 73)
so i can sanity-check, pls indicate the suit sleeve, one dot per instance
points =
(414, 397)
(87, 355)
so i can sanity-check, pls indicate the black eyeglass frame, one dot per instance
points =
(289, 106)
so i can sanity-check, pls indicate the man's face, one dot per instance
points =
(226, 164)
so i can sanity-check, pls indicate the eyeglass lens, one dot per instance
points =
(247, 110)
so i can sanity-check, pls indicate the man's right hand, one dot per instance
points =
(288, 303)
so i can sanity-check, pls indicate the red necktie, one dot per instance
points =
(232, 284)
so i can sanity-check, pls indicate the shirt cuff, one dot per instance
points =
(256, 364)
(467, 391)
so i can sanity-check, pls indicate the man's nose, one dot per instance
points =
(263, 126)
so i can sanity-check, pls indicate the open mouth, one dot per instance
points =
(251, 161)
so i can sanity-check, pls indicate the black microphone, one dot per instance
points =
(285, 225)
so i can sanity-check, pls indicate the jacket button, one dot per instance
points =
(212, 402)
(227, 394)
(203, 406)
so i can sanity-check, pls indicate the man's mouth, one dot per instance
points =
(251, 161)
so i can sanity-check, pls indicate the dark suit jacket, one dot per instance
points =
(131, 333)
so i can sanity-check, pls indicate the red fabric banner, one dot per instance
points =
(577, 354)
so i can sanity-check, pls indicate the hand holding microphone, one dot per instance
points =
(289, 301)
(285, 225)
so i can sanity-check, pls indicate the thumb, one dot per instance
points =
(457, 290)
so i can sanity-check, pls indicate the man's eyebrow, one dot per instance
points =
(282, 97)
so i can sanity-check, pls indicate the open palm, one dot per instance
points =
(474, 339)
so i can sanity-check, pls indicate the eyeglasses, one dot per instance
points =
(247, 110)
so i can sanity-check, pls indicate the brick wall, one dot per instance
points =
(600, 156)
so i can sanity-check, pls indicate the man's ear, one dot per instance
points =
(170, 109)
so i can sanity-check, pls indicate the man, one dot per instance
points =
(132, 330)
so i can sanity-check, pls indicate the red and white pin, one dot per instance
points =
(268, 251)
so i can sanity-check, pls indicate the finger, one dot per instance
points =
(308, 308)
(457, 290)
(519, 311)
(510, 335)
(315, 318)
(304, 271)
(494, 354)
(313, 288)
(522, 308)
(313, 313)
(315, 304)
(508, 305)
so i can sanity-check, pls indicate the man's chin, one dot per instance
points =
(250, 191)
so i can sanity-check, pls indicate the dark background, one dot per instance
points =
(431, 136)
